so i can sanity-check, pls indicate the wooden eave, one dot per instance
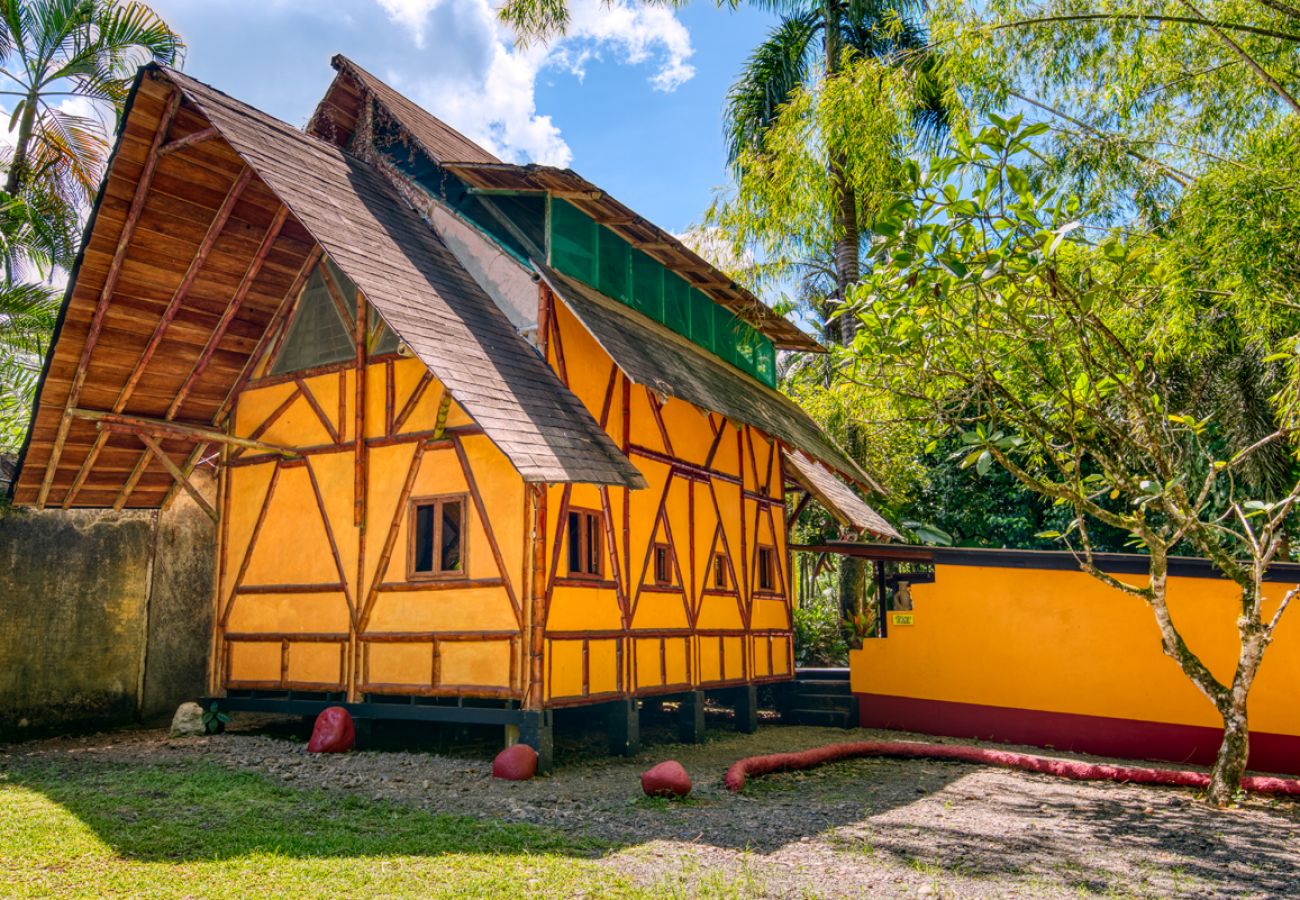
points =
(642, 234)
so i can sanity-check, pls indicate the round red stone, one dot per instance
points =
(517, 762)
(334, 732)
(668, 779)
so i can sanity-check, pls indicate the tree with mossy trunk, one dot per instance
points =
(1060, 352)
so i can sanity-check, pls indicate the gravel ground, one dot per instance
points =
(867, 827)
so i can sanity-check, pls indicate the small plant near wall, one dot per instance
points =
(215, 719)
(818, 640)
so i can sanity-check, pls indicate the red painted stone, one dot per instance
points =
(517, 762)
(668, 779)
(334, 732)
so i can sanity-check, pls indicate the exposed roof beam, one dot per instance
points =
(189, 140)
(177, 475)
(106, 293)
(187, 430)
(155, 340)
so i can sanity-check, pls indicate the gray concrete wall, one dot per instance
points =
(104, 617)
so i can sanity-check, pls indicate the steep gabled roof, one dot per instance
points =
(651, 355)
(336, 119)
(333, 200)
(424, 295)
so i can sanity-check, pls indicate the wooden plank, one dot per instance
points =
(106, 293)
(182, 290)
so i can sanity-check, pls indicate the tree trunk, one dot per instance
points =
(19, 160)
(1230, 763)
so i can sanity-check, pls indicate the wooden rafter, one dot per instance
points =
(106, 294)
(271, 334)
(232, 308)
(169, 313)
(197, 137)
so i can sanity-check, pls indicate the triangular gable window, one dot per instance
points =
(318, 333)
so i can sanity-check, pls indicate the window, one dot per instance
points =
(766, 569)
(320, 331)
(437, 537)
(663, 564)
(584, 543)
(718, 573)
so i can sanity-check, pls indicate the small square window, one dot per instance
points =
(585, 528)
(718, 573)
(766, 569)
(437, 537)
(663, 558)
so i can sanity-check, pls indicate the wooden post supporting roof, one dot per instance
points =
(106, 293)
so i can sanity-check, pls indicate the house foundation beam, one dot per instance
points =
(536, 730)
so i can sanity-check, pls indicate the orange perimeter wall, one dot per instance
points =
(1059, 659)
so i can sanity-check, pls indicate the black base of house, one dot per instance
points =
(530, 726)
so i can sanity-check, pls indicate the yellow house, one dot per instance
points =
(487, 442)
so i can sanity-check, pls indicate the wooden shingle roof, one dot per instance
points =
(336, 117)
(835, 496)
(424, 295)
(335, 120)
(652, 355)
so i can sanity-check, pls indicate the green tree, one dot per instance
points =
(50, 51)
(88, 49)
(1048, 346)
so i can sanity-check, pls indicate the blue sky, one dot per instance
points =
(632, 99)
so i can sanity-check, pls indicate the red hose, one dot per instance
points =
(1077, 769)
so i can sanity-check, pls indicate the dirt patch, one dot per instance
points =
(865, 827)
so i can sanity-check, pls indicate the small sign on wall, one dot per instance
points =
(901, 618)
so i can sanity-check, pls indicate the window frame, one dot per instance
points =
(670, 573)
(769, 570)
(585, 515)
(718, 565)
(437, 573)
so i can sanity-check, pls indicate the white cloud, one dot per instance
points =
(486, 86)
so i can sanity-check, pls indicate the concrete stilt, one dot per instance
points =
(690, 717)
(746, 706)
(535, 730)
(623, 719)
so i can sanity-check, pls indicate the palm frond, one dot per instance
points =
(779, 66)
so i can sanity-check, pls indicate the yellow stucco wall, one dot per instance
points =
(625, 634)
(1063, 642)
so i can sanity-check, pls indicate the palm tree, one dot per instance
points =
(87, 49)
(809, 43)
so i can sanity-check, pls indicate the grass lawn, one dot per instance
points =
(196, 829)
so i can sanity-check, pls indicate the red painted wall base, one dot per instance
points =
(1099, 735)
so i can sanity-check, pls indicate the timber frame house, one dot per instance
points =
(487, 442)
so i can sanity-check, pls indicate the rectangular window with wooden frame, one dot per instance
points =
(437, 538)
(766, 569)
(663, 565)
(718, 577)
(585, 531)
